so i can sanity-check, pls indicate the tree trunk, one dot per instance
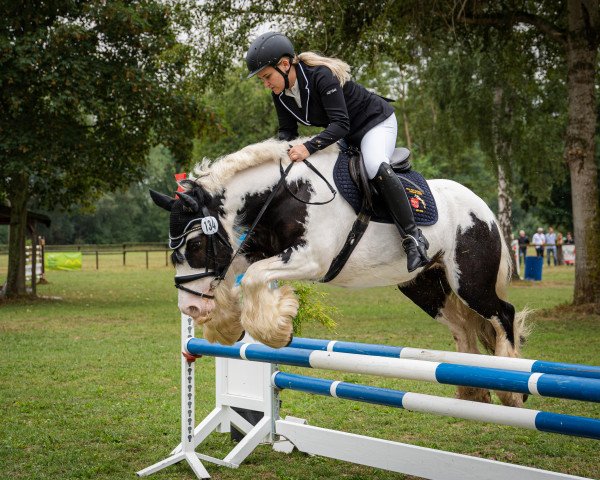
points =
(402, 99)
(502, 153)
(406, 130)
(18, 196)
(505, 215)
(580, 153)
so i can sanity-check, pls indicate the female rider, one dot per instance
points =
(316, 90)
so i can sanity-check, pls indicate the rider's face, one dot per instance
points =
(272, 79)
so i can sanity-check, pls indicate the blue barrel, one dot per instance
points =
(533, 268)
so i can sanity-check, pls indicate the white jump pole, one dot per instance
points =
(470, 359)
(542, 384)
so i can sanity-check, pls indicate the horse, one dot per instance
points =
(293, 233)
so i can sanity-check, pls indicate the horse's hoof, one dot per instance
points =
(268, 316)
(291, 340)
(474, 394)
(279, 338)
(242, 336)
(511, 399)
(223, 332)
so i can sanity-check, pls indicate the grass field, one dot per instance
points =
(89, 382)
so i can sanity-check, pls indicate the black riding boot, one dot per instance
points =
(391, 189)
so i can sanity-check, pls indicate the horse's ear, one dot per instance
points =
(161, 200)
(187, 184)
(189, 202)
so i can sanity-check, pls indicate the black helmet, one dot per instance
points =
(267, 50)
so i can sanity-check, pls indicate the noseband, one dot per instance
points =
(181, 279)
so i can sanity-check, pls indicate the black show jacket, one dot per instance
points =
(347, 112)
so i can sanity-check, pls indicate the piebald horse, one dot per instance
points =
(464, 287)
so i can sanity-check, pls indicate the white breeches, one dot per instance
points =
(378, 144)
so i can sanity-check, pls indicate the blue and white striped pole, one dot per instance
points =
(503, 363)
(547, 385)
(416, 402)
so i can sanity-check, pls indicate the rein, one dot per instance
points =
(219, 277)
(268, 201)
(319, 174)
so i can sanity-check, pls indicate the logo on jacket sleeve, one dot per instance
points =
(329, 92)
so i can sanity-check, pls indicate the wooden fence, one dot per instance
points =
(128, 254)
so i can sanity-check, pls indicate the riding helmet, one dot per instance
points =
(267, 50)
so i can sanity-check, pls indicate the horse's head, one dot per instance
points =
(201, 248)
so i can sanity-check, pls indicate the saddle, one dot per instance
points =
(352, 182)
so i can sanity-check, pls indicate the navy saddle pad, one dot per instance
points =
(416, 187)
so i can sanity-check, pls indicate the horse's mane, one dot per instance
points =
(212, 175)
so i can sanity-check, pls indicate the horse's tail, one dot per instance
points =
(487, 334)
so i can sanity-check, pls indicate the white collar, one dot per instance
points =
(294, 92)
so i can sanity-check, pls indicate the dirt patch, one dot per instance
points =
(569, 311)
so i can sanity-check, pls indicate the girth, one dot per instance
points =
(359, 175)
(356, 232)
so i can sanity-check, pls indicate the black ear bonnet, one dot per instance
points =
(185, 219)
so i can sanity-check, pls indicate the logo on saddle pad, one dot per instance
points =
(416, 199)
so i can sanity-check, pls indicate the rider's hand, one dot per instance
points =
(298, 153)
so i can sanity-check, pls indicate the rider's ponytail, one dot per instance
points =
(339, 68)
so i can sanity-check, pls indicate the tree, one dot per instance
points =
(574, 26)
(239, 111)
(404, 30)
(104, 222)
(486, 92)
(86, 89)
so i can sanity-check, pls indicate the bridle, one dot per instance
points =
(212, 269)
(218, 271)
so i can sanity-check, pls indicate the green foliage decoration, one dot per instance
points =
(313, 307)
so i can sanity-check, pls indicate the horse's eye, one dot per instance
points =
(195, 253)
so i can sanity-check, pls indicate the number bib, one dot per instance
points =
(209, 225)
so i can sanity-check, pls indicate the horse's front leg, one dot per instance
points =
(267, 314)
(222, 324)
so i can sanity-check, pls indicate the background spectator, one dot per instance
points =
(539, 239)
(569, 249)
(523, 243)
(569, 240)
(551, 245)
(559, 252)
